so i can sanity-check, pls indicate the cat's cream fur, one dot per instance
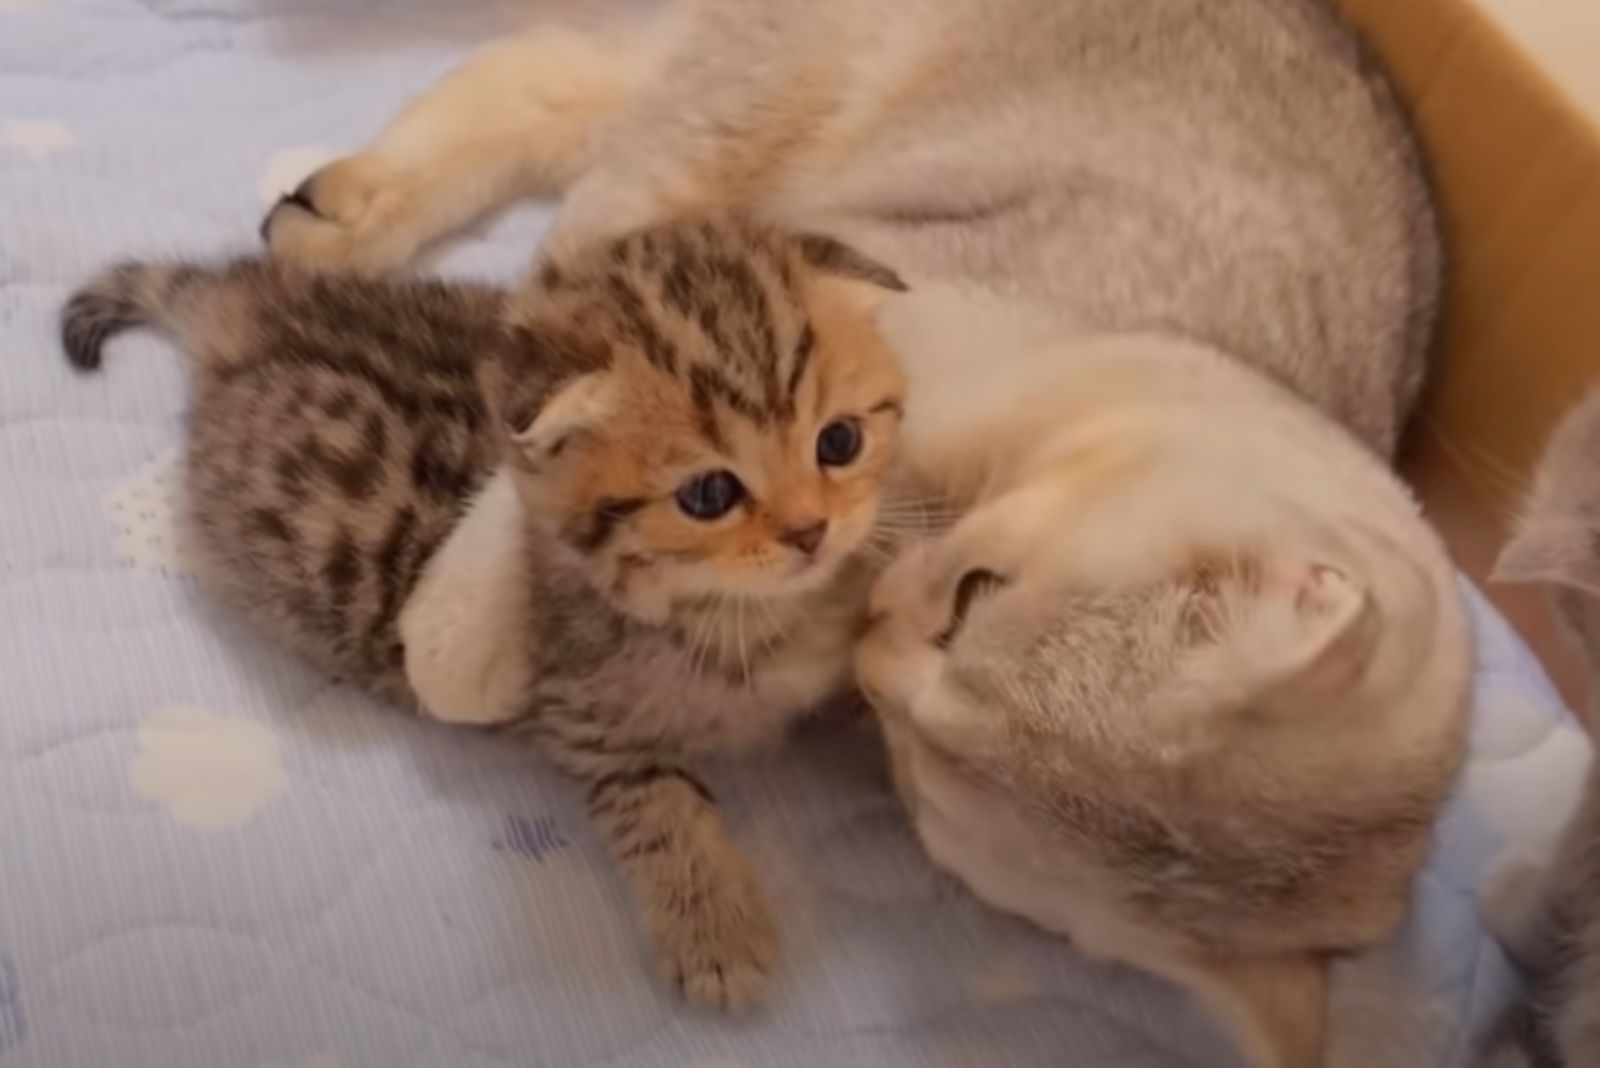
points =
(1229, 169)
(1122, 222)
(1202, 720)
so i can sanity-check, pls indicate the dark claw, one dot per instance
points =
(300, 198)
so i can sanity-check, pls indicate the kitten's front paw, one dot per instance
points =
(718, 949)
(350, 215)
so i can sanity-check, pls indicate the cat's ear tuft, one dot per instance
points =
(834, 257)
(1562, 552)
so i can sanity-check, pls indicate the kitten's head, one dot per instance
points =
(702, 409)
(1557, 537)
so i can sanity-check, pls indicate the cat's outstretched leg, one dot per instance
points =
(517, 119)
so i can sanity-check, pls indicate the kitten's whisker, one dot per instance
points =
(921, 513)
(880, 545)
(697, 644)
(776, 633)
(877, 551)
(744, 653)
(906, 530)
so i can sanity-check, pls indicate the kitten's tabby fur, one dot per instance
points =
(1550, 917)
(340, 428)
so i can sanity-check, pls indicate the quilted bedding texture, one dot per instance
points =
(210, 858)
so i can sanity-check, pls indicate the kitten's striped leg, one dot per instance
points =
(706, 914)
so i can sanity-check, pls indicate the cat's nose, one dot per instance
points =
(806, 537)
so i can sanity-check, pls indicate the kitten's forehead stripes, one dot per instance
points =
(656, 348)
(732, 285)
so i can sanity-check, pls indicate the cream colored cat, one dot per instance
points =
(1187, 682)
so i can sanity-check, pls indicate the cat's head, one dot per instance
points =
(1556, 542)
(701, 410)
(1103, 726)
(1000, 643)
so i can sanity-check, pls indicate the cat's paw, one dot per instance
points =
(350, 215)
(719, 949)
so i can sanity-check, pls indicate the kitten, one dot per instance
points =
(1187, 682)
(1550, 918)
(686, 428)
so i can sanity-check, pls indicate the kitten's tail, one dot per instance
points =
(128, 295)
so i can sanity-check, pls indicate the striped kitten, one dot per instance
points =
(689, 426)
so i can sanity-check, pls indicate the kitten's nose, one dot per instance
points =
(805, 537)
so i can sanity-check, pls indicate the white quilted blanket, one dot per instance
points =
(211, 859)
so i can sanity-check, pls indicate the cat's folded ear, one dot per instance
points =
(866, 281)
(1286, 623)
(544, 390)
(1561, 552)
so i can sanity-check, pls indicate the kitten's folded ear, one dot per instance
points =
(543, 390)
(576, 406)
(836, 258)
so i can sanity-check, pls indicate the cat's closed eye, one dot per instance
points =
(974, 583)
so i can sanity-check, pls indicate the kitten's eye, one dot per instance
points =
(979, 582)
(711, 495)
(839, 443)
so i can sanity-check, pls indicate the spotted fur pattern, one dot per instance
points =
(336, 430)
(342, 428)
